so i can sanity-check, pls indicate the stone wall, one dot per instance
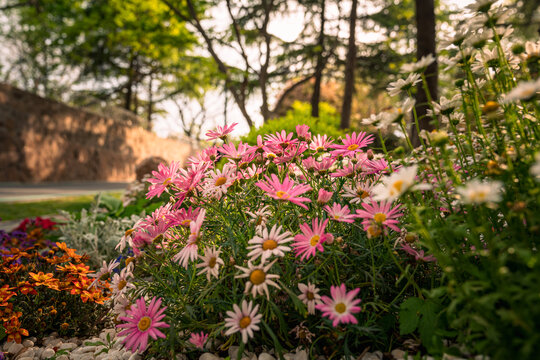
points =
(44, 140)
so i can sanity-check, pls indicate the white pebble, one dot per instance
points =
(134, 357)
(266, 356)
(7, 345)
(67, 346)
(47, 353)
(398, 354)
(28, 343)
(209, 356)
(26, 358)
(14, 348)
(63, 357)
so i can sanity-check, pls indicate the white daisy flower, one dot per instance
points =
(120, 283)
(211, 262)
(420, 65)
(525, 90)
(104, 273)
(309, 296)
(266, 244)
(259, 278)
(219, 181)
(243, 320)
(260, 217)
(479, 192)
(397, 183)
(358, 194)
(396, 87)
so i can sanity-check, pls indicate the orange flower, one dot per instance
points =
(79, 269)
(14, 330)
(57, 259)
(70, 252)
(7, 313)
(26, 288)
(13, 268)
(6, 294)
(47, 280)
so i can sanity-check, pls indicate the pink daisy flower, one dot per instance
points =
(141, 322)
(340, 213)
(220, 132)
(285, 191)
(376, 167)
(162, 179)
(190, 251)
(324, 196)
(183, 217)
(380, 215)
(232, 152)
(311, 239)
(243, 320)
(320, 143)
(324, 165)
(198, 340)
(280, 140)
(352, 144)
(348, 171)
(189, 180)
(418, 255)
(341, 307)
(303, 132)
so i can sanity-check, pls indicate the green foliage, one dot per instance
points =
(327, 123)
(94, 233)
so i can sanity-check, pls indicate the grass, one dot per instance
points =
(21, 210)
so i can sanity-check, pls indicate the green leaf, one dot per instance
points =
(409, 315)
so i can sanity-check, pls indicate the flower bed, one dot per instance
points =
(303, 240)
(327, 247)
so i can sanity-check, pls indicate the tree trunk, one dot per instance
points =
(316, 96)
(150, 103)
(349, 70)
(425, 37)
(129, 85)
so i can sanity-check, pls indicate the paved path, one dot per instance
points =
(16, 192)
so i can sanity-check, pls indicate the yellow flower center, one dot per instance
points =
(320, 148)
(257, 277)
(379, 218)
(336, 217)
(212, 262)
(396, 187)
(352, 147)
(220, 181)
(310, 295)
(479, 196)
(185, 222)
(362, 194)
(122, 284)
(340, 308)
(144, 323)
(129, 232)
(269, 244)
(314, 240)
(244, 322)
(167, 181)
(282, 194)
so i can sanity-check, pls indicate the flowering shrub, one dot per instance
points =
(319, 242)
(48, 290)
(94, 233)
(36, 232)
